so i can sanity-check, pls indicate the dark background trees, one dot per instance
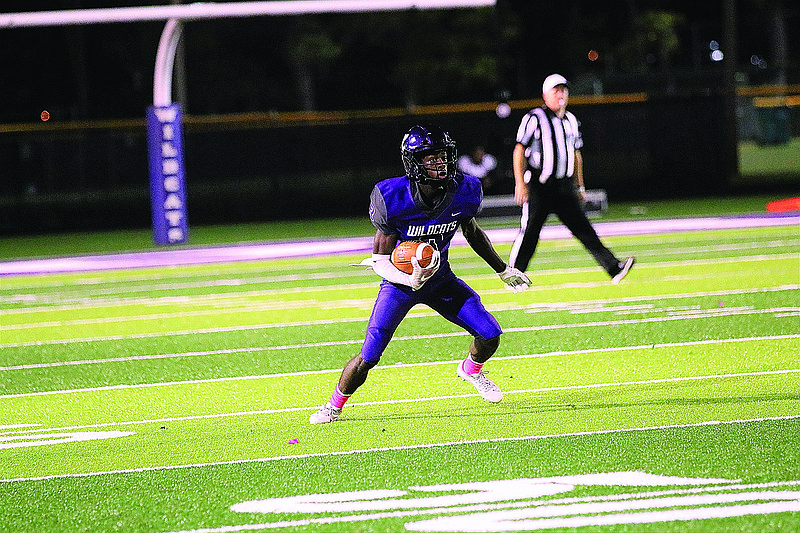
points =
(385, 60)
(250, 157)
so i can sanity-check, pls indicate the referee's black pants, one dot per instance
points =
(560, 197)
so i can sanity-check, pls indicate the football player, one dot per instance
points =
(430, 203)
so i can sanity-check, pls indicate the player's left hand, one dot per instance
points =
(515, 279)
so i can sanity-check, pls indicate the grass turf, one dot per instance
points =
(688, 368)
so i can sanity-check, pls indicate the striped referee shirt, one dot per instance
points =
(550, 143)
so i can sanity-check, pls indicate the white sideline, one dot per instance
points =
(410, 447)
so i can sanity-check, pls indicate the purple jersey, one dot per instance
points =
(396, 208)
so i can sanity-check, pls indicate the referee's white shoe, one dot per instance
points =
(624, 267)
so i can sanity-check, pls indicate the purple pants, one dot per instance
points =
(450, 297)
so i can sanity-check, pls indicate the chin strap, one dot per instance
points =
(442, 183)
(436, 184)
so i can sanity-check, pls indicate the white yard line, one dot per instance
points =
(461, 252)
(223, 302)
(121, 300)
(99, 298)
(403, 401)
(318, 322)
(409, 447)
(258, 251)
(779, 312)
(167, 285)
(216, 301)
(388, 367)
(168, 282)
(256, 308)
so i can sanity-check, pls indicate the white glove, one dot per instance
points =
(420, 275)
(514, 279)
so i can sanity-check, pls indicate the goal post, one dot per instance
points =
(164, 125)
(210, 10)
(165, 147)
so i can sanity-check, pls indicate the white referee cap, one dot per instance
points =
(552, 81)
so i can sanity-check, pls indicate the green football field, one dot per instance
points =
(177, 398)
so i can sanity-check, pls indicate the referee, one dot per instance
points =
(547, 165)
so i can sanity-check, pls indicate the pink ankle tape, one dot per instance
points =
(338, 399)
(471, 367)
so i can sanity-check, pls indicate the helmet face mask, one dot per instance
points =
(429, 155)
(434, 163)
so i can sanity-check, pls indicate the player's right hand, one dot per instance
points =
(420, 275)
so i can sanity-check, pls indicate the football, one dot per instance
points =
(403, 252)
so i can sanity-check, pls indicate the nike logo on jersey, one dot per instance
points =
(455, 214)
(433, 229)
